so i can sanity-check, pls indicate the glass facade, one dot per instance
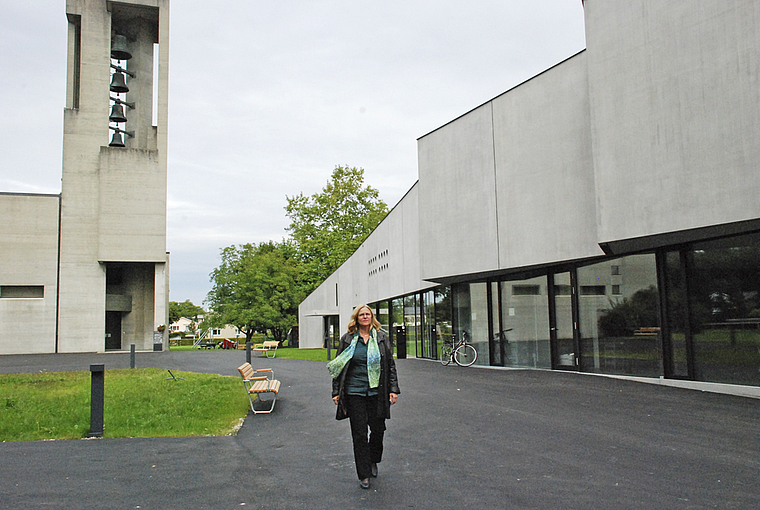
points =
(471, 317)
(443, 320)
(620, 332)
(692, 312)
(332, 331)
(398, 328)
(411, 324)
(714, 311)
(565, 350)
(524, 328)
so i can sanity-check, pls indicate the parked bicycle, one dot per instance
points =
(461, 352)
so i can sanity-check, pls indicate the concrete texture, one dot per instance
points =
(459, 438)
(28, 251)
(113, 199)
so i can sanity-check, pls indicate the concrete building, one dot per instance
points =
(602, 216)
(87, 270)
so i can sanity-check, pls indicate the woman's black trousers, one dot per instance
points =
(362, 414)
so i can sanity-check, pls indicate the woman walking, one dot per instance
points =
(364, 388)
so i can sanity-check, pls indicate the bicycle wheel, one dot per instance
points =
(445, 355)
(465, 355)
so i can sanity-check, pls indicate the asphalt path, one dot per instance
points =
(458, 438)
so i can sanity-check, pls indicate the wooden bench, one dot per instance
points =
(267, 347)
(647, 331)
(256, 384)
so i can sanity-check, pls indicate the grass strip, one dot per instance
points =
(138, 403)
(282, 352)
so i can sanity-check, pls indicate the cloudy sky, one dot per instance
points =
(266, 98)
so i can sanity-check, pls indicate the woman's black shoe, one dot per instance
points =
(373, 467)
(364, 484)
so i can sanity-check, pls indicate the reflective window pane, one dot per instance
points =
(427, 308)
(563, 306)
(443, 326)
(471, 317)
(620, 332)
(382, 315)
(397, 325)
(676, 302)
(725, 310)
(411, 324)
(525, 323)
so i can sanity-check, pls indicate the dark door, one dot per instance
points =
(399, 333)
(113, 331)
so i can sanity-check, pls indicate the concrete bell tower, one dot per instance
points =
(113, 264)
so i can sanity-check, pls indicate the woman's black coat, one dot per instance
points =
(388, 377)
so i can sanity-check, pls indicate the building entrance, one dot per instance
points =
(113, 331)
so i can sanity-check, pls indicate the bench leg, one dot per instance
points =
(258, 397)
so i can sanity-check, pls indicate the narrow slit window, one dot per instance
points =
(526, 290)
(593, 290)
(22, 291)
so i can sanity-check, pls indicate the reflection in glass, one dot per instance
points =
(525, 323)
(332, 331)
(397, 325)
(677, 315)
(443, 326)
(499, 344)
(620, 333)
(383, 317)
(563, 308)
(725, 310)
(411, 324)
(428, 324)
(381, 313)
(471, 317)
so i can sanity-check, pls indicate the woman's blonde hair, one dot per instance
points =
(353, 323)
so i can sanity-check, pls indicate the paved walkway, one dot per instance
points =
(459, 438)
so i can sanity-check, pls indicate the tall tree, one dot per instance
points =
(255, 289)
(329, 226)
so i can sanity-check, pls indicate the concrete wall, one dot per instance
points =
(545, 194)
(28, 257)
(132, 206)
(513, 177)
(457, 197)
(675, 109)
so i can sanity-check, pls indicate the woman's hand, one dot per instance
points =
(335, 399)
(394, 397)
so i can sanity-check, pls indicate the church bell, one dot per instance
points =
(118, 83)
(117, 114)
(119, 49)
(116, 140)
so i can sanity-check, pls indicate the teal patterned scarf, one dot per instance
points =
(373, 359)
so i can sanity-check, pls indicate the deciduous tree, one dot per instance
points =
(184, 309)
(255, 289)
(329, 226)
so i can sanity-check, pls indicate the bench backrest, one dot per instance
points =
(246, 370)
(271, 343)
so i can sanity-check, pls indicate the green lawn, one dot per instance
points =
(282, 352)
(137, 403)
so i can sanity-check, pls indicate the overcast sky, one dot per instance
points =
(266, 98)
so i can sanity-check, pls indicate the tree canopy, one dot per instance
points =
(258, 287)
(255, 288)
(184, 309)
(328, 226)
